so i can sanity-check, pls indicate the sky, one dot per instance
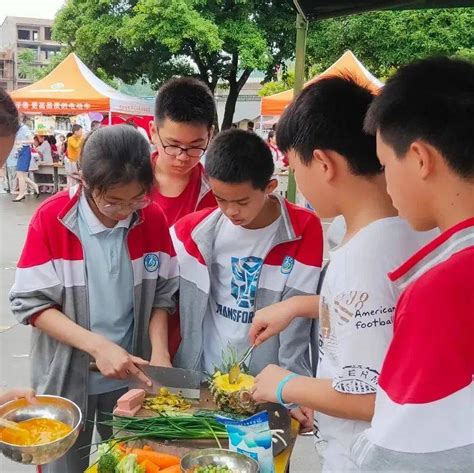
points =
(30, 8)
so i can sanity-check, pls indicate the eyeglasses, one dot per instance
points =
(173, 150)
(131, 205)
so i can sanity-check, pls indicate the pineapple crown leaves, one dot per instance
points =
(229, 358)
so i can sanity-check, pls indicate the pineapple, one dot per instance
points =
(232, 397)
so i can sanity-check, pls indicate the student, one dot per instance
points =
(254, 250)
(73, 153)
(61, 146)
(338, 172)
(54, 148)
(96, 281)
(23, 137)
(181, 131)
(74, 143)
(44, 149)
(95, 124)
(424, 414)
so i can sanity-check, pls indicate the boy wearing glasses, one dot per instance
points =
(181, 131)
(254, 250)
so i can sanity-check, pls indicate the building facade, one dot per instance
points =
(18, 34)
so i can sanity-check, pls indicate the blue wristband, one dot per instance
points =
(279, 390)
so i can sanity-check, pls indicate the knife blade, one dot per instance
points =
(176, 380)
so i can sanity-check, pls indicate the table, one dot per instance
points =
(57, 170)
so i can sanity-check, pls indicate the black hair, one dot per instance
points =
(250, 125)
(271, 134)
(329, 115)
(237, 156)
(431, 100)
(76, 127)
(51, 139)
(94, 123)
(68, 135)
(185, 100)
(9, 120)
(116, 155)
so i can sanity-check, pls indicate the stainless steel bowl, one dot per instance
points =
(237, 462)
(50, 407)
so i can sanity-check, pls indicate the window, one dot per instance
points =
(47, 33)
(24, 34)
(2, 69)
(49, 53)
(35, 35)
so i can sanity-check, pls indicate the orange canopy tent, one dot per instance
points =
(72, 88)
(346, 65)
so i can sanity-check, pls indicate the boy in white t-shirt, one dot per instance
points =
(338, 172)
(254, 250)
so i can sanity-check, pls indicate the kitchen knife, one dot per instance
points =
(176, 380)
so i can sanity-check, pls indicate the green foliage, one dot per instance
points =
(26, 60)
(385, 40)
(216, 40)
(274, 87)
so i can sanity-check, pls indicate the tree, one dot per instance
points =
(219, 41)
(274, 87)
(288, 80)
(386, 40)
(26, 67)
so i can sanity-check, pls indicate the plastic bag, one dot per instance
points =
(252, 437)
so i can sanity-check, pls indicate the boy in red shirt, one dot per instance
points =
(181, 131)
(423, 421)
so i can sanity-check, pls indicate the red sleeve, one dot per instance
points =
(431, 355)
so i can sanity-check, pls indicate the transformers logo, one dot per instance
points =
(245, 273)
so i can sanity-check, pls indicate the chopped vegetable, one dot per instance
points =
(166, 401)
(163, 460)
(172, 469)
(109, 456)
(149, 466)
(107, 463)
(212, 469)
(129, 464)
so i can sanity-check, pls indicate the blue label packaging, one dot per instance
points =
(252, 437)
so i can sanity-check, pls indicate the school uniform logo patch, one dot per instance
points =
(245, 274)
(151, 262)
(287, 265)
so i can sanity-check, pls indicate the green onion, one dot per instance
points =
(166, 427)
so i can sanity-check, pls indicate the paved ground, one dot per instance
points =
(14, 344)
